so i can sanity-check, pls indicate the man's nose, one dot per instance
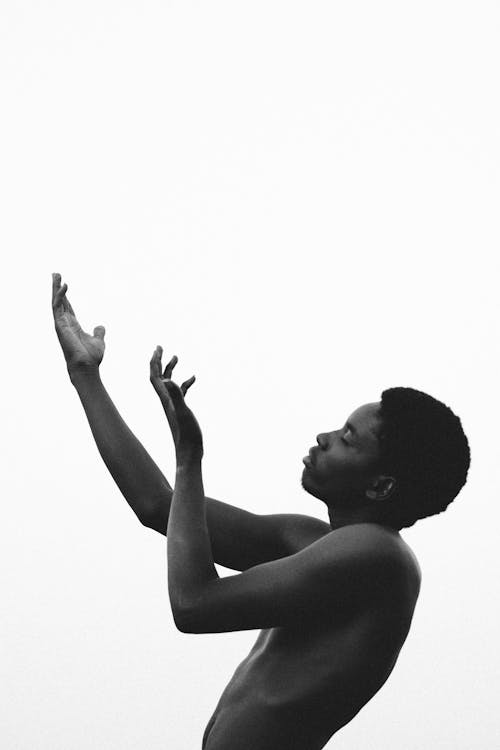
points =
(321, 439)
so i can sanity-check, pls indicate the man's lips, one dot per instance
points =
(309, 460)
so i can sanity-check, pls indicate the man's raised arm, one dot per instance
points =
(240, 539)
(138, 477)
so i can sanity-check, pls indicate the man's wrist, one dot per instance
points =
(188, 462)
(83, 374)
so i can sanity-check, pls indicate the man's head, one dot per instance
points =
(397, 460)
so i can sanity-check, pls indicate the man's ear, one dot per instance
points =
(382, 488)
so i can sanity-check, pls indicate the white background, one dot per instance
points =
(300, 200)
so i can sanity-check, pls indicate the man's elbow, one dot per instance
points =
(186, 621)
(186, 613)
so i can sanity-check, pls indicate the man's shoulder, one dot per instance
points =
(382, 572)
(371, 549)
(389, 562)
(360, 568)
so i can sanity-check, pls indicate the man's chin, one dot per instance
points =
(308, 485)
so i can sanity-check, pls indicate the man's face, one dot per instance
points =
(341, 466)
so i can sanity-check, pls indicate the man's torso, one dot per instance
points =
(299, 685)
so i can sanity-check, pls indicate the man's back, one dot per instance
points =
(301, 683)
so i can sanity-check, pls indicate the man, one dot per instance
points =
(334, 602)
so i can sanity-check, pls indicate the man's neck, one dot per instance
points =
(344, 516)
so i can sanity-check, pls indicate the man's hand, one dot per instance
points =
(80, 349)
(185, 429)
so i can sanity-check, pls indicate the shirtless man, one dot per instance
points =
(334, 602)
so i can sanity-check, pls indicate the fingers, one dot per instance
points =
(187, 384)
(155, 363)
(177, 394)
(99, 332)
(59, 298)
(56, 283)
(167, 373)
(58, 291)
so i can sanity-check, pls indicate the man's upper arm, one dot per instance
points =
(344, 566)
(241, 539)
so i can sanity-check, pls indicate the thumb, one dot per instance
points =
(99, 332)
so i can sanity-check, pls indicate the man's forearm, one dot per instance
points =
(190, 560)
(138, 477)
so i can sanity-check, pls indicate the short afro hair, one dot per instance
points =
(424, 447)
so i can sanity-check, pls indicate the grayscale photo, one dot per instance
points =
(251, 367)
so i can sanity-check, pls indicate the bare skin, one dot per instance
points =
(299, 685)
(334, 602)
